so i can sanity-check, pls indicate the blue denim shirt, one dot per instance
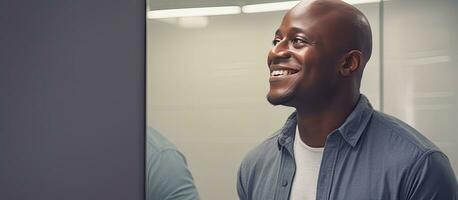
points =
(371, 156)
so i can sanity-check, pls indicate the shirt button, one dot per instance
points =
(284, 183)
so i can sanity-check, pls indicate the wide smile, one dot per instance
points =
(284, 72)
(279, 74)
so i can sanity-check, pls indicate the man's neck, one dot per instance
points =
(314, 127)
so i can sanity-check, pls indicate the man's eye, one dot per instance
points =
(275, 41)
(298, 41)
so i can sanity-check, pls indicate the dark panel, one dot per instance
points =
(72, 103)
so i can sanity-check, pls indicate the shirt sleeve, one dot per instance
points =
(240, 188)
(168, 177)
(241, 191)
(432, 179)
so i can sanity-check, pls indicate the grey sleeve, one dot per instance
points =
(241, 191)
(432, 178)
(168, 177)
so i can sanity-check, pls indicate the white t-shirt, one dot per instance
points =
(308, 161)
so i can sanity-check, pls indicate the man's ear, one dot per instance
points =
(351, 62)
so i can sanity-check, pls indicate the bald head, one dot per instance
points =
(347, 26)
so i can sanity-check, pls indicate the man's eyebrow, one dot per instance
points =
(296, 30)
(299, 30)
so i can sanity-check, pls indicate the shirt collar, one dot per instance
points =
(286, 135)
(351, 130)
(355, 124)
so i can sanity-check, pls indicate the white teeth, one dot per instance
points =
(277, 72)
(280, 72)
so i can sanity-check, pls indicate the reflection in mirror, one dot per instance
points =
(207, 80)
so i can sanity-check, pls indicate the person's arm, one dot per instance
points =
(241, 190)
(168, 177)
(432, 178)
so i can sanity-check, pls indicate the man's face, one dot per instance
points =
(302, 61)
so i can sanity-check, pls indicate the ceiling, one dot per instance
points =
(173, 4)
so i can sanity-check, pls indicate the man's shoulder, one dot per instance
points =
(406, 152)
(157, 143)
(157, 147)
(166, 170)
(399, 135)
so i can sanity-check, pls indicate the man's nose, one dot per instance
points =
(280, 50)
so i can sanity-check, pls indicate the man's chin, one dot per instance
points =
(279, 100)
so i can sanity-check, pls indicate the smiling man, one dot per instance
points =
(335, 146)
